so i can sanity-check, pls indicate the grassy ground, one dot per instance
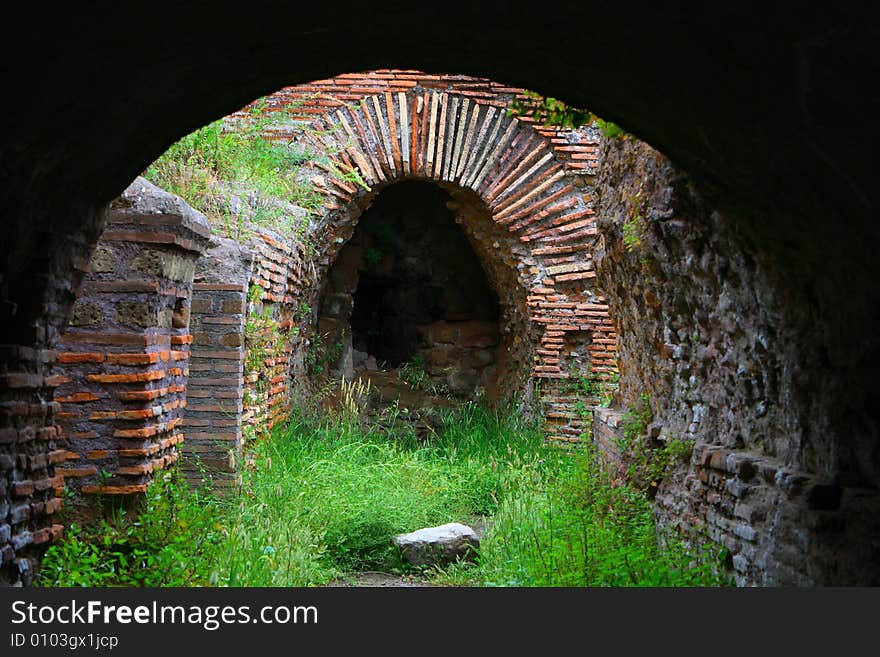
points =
(323, 499)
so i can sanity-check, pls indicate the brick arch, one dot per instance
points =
(521, 192)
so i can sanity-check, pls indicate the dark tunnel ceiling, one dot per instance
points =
(748, 99)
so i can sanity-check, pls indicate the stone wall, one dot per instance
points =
(705, 332)
(122, 362)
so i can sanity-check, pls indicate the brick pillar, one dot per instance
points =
(122, 363)
(215, 389)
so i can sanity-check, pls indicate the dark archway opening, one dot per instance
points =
(408, 291)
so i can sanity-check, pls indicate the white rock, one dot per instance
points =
(438, 545)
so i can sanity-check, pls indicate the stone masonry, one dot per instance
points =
(702, 335)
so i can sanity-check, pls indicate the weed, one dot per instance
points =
(648, 459)
(170, 541)
(564, 523)
(413, 374)
(551, 112)
(631, 234)
(320, 355)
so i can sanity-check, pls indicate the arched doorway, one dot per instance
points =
(407, 290)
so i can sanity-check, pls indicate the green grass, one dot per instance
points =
(211, 165)
(564, 524)
(323, 498)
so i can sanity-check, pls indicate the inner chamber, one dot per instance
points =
(407, 290)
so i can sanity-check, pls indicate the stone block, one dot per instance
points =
(206, 305)
(229, 306)
(439, 332)
(479, 358)
(180, 316)
(149, 261)
(231, 340)
(740, 563)
(87, 313)
(103, 260)
(137, 314)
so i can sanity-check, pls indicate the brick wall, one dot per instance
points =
(30, 490)
(277, 288)
(246, 294)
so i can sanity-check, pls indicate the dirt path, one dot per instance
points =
(376, 578)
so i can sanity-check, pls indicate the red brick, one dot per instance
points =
(123, 286)
(78, 397)
(115, 490)
(221, 320)
(69, 357)
(144, 432)
(231, 354)
(142, 395)
(141, 451)
(153, 375)
(55, 380)
(61, 455)
(132, 359)
(109, 338)
(138, 236)
(140, 414)
(77, 472)
(136, 470)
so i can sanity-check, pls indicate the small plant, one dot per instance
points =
(631, 234)
(648, 459)
(636, 419)
(372, 256)
(354, 396)
(413, 374)
(320, 355)
(551, 112)
(590, 392)
(679, 450)
(564, 522)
